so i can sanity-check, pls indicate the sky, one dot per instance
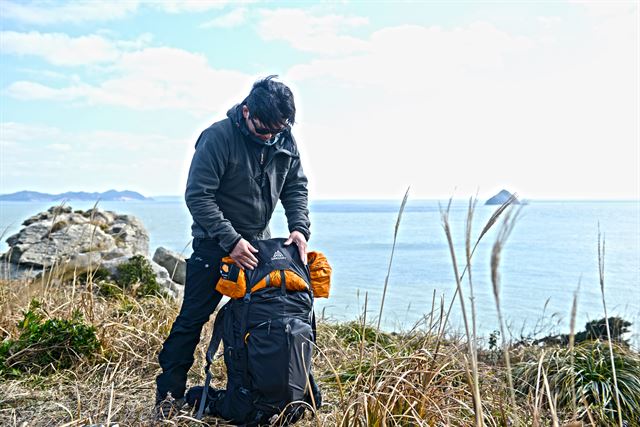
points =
(450, 98)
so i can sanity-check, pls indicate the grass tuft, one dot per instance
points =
(588, 367)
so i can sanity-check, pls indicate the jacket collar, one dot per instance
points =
(235, 114)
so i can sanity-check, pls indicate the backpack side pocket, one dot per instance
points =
(300, 348)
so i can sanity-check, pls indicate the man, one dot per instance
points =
(241, 167)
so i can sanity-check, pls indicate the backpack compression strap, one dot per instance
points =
(216, 337)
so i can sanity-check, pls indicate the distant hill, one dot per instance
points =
(110, 196)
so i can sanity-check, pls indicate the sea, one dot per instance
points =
(549, 258)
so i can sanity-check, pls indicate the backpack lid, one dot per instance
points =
(274, 255)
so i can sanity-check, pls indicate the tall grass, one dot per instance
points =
(472, 354)
(503, 234)
(471, 338)
(601, 248)
(572, 339)
(393, 249)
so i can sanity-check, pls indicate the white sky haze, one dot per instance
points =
(451, 98)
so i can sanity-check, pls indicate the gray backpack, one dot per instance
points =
(268, 338)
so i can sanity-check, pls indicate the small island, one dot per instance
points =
(501, 198)
(107, 196)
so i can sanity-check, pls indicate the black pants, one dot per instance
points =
(200, 300)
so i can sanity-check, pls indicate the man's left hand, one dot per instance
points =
(301, 242)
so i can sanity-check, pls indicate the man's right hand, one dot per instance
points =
(242, 254)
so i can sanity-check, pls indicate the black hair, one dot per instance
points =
(271, 102)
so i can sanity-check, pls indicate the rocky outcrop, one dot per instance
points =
(69, 242)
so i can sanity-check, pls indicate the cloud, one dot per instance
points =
(47, 158)
(474, 107)
(310, 33)
(60, 49)
(63, 50)
(26, 90)
(149, 79)
(605, 9)
(50, 12)
(436, 56)
(44, 74)
(15, 133)
(47, 12)
(60, 147)
(549, 21)
(232, 19)
(180, 6)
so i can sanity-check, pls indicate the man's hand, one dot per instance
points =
(301, 242)
(242, 254)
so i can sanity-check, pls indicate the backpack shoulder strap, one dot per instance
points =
(216, 338)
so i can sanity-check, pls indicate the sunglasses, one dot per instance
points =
(265, 131)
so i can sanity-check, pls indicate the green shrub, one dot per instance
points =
(110, 289)
(137, 274)
(597, 329)
(44, 346)
(593, 330)
(94, 276)
(354, 333)
(593, 380)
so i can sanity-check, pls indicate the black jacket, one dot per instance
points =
(234, 184)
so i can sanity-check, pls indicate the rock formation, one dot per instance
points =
(68, 242)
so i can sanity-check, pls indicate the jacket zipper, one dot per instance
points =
(263, 183)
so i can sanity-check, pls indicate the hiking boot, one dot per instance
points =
(168, 407)
(194, 394)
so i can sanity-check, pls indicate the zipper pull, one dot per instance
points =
(262, 157)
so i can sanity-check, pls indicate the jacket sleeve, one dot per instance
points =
(294, 198)
(206, 171)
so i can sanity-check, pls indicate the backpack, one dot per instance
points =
(268, 336)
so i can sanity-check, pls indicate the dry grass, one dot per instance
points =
(119, 385)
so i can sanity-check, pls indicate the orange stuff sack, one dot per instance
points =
(320, 272)
(274, 279)
(233, 282)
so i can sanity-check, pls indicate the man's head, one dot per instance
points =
(269, 108)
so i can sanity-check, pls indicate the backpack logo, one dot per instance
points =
(277, 255)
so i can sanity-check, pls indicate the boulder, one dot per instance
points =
(163, 277)
(173, 262)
